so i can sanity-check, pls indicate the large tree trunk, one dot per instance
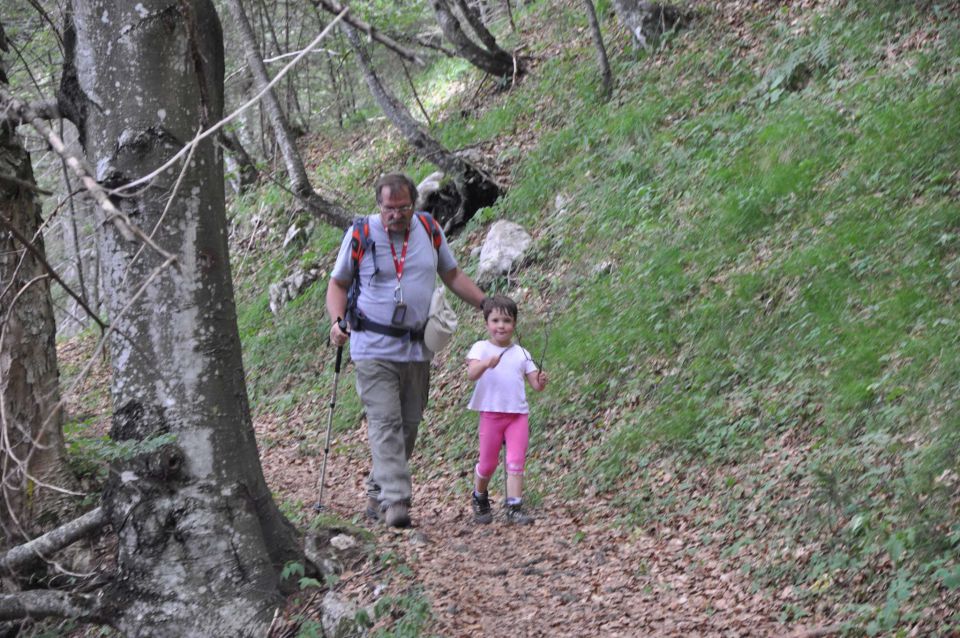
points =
(201, 541)
(32, 443)
(300, 184)
(475, 188)
(498, 63)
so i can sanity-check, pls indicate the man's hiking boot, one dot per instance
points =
(481, 508)
(397, 515)
(516, 515)
(373, 511)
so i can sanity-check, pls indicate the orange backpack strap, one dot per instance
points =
(359, 240)
(433, 229)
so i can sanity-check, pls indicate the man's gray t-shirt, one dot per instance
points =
(376, 300)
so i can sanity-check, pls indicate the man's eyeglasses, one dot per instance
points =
(399, 209)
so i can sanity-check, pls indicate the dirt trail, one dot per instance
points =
(572, 573)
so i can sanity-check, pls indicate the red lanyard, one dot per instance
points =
(403, 254)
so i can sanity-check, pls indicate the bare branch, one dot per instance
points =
(332, 6)
(216, 127)
(121, 221)
(416, 95)
(54, 540)
(427, 44)
(46, 110)
(43, 261)
(52, 604)
(53, 27)
(282, 56)
(10, 179)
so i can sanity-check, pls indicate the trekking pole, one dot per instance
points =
(333, 402)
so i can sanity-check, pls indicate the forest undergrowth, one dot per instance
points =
(744, 281)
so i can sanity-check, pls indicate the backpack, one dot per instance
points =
(359, 244)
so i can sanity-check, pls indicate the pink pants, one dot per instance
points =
(495, 428)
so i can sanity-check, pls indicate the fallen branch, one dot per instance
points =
(334, 7)
(54, 540)
(52, 604)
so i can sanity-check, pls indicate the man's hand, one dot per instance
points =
(339, 333)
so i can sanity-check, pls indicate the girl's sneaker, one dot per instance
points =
(516, 515)
(481, 508)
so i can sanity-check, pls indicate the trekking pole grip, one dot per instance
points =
(342, 324)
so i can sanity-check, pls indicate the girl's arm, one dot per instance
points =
(476, 367)
(537, 380)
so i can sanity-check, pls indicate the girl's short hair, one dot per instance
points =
(504, 304)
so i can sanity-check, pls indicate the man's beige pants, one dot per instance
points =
(394, 395)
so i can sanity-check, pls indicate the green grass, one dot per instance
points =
(783, 230)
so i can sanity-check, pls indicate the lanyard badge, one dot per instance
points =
(399, 308)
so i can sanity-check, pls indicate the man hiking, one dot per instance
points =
(388, 264)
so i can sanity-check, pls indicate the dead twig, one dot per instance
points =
(40, 257)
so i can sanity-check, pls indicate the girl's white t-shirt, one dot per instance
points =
(503, 387)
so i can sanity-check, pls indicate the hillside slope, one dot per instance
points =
(744, 282)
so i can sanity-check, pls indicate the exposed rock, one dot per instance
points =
(339, 617)
(299, 230)
(332, 551)
(426, 189)
(647, 21)
(602, 268)
(343, 542)
(285, 291)
(503, 250)
(561, 204)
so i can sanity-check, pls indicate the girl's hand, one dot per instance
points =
(537, 380)
(493, 361)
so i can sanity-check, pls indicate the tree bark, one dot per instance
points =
(200, 540)
(33, 454)
(479, 28)
(496, 63)
(475, 188)
(602, 59)
(328, 212)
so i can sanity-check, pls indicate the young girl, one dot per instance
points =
(499, 367)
